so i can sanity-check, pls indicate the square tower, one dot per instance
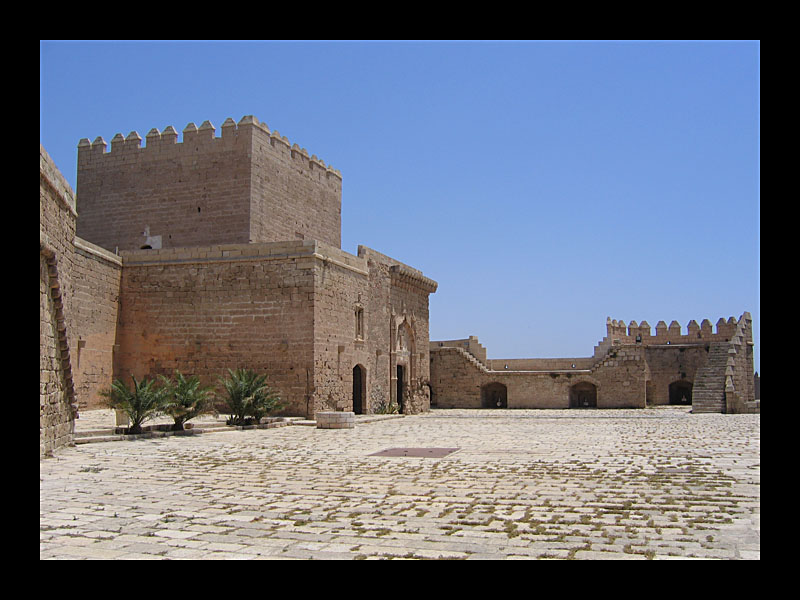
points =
(248, 186)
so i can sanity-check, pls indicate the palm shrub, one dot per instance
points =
(386, 407)
(143, 402)
(185, 398)
(247, 394)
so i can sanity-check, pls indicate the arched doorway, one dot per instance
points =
(359, 389)
(431, 396)
(401, 372)
(583, 395)
(494, 395)
(680, 392)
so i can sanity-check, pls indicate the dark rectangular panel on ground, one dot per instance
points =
(416, 452)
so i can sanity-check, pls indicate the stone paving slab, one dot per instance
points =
(525, 484)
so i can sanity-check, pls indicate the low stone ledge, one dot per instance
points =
(335, 420)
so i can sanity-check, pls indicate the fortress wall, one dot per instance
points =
(618, 331)
(294, 195)
(409, 336)
(97, 276)
(366, 282)
(455, 382)
(339, 288)
(469, 344)
(668, 364)
(539, 364)
(537, 390)
(57, 218)
(621, 378)
(205, 310)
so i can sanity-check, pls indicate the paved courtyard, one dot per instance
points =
(523, 484)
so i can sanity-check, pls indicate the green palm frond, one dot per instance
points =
(186, 398)
(144, 401)
(248, 394)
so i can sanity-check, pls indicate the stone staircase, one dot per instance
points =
(471, 358)
(708, 392)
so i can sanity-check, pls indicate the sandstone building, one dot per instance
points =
(215, 253)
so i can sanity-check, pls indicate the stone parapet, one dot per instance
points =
(335, 420)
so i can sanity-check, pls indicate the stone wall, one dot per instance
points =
(459, 382)
(287, 309)
(57, 218)
(293, 195)
(630, 368)
(538, 364)
(97, 275)
(206, 310)
(407, 334)
(370, 284)
(672, 363)
(455, 380)
(341, 284)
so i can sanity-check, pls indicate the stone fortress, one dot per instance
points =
(224, 251)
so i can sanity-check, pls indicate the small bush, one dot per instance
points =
(185, 398)
(144, 401)
(248, 396)
(386, 407)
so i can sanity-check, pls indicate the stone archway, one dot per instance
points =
(494, 395)
(431, 395)
(359, 389)
(680, 393)
(583, 395)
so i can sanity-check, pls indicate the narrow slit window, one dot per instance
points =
(359, 323)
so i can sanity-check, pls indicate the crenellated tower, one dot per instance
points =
(247, 185)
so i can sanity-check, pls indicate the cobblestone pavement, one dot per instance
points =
(524, 484)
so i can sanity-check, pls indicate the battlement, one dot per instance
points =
(633, 333)
(199, 138)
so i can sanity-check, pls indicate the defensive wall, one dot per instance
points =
(630, 368)
(57, 217)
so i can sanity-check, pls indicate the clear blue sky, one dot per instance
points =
(544, 185)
